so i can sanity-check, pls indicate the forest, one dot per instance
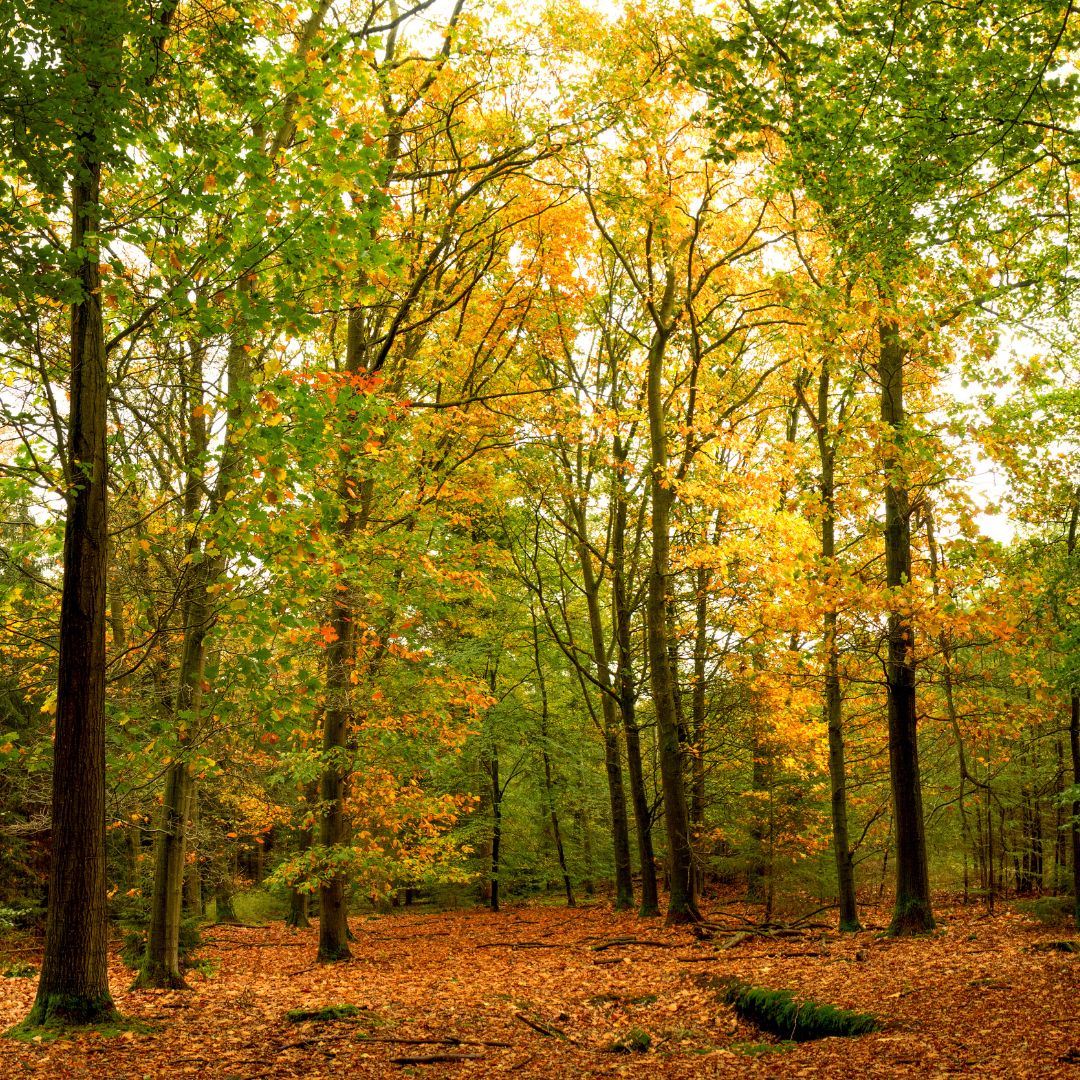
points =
(462, 462)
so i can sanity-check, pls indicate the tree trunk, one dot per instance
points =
(682, 901)
(627, 694)
(757, 876)
(833, 705)
(300, 901)
(340, 654)
(549, 787)
(912, 913)
(496, 825)
(1074, 736)
(224, 912)
(74, 983)
(620, 825)
(193, 898)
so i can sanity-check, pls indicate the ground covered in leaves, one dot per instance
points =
(540, 991)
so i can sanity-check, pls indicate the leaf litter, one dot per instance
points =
(614, 996)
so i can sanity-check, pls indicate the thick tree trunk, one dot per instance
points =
(912, 913)
(333, 833)
(74, 983)
(682, 901)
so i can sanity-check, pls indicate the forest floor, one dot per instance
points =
(540, 991)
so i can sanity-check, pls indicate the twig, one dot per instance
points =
(447, 1041)
(544, 1029)
(429, 1059)
(258, 944)
(519, 945)
(618, 942)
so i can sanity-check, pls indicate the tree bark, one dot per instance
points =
(496, 825)
(620, 826)
(627, 694)
(549, 787)
(912, 913)
(1074, 733)
(682, 900)
(833, 704)
(74, 983)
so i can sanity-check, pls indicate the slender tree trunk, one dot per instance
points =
(74, 983)
(845, 869)
(912, 913)
(1074, 735)
(1061, 841)
(701, 642)
(682, 901)
(757, 876)
(496, 825)
(300, 901)
(627, 692)
(549, 787)
(620, 825)
(193, 899)
(161, 966)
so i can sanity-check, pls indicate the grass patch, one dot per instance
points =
(325, 1014)
(21, 969)
(777, 1011)
(756, 1050)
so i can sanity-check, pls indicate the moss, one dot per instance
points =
(59, 1014)
(911, 917)
(635, 1041)
(778, 1011)
(332, 956)
(327, 1012)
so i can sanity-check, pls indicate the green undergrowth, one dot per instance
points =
(750, 1049)
(259, 906)
(20, 969)
(777, 1011)
(635, 1041)
(327, 1013)
(1049, 910)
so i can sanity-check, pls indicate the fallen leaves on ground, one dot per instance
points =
(538, 991)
